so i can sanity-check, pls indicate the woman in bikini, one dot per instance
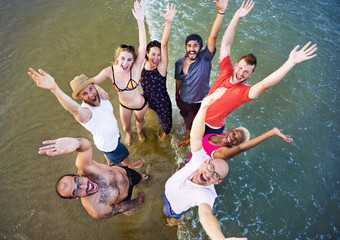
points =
(153, 76)
(229, 144)
(125, 75)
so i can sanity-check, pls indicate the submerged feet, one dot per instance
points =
(137, 164)
(128, 139)
(141, 137)
(144, 177)
(163, 137)
(184, 143)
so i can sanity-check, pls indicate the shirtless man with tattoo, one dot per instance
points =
(104, 191)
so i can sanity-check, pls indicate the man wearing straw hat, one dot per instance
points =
(95, 114)
(104, 191)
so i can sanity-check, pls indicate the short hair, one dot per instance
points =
(250, 59)
(151, 44)
(126, 48)
(58, 185)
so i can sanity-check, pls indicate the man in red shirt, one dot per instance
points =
(233, 78)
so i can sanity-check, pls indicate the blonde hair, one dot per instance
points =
(125, 48)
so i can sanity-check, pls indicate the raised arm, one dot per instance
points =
(110, 210)
(68, 145)
(221, 5)
(229, 34)
(227, 153)
(168, 17)
(44, 80)
(295, 57)
(103, 75)
(139, 15)
(198, 125)
(210, 223)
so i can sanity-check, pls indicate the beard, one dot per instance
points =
(91, 103)
(190, 56)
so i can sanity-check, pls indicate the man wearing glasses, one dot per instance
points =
(104, 191)
(193, 185)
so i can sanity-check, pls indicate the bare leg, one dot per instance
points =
(125, 117)
(186, 141)
(140, 122)
(108, 161)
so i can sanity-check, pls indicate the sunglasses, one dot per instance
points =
(211, 169)
(78, 180)
(155, 43)
(132, 48)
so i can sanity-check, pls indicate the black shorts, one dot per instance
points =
(188, 111)
(134, 178)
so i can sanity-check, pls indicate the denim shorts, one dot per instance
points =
(169, 212)
(209, 130)
(119, 154)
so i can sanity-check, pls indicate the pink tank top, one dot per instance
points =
(208, 148)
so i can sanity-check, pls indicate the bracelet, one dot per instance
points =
(221, 13)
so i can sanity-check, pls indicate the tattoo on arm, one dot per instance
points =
(122, 207)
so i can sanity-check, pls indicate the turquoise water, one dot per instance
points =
(274, 191)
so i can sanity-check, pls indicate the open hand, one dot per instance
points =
(59, 146)
(222, 5)
(279, 133)
(171, 12)
(304, 54)
(138, 11)
(43, 80)
(244, 9)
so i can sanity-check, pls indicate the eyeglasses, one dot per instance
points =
(78, 180)
(132, 48)
(211, 169)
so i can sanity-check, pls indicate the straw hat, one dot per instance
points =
(78, 83)
(245, 133)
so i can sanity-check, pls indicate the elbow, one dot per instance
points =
(96, 216)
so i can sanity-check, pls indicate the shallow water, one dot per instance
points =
(274, 191)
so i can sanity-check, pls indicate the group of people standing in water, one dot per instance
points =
(106, 189)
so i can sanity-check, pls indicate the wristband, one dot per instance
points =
(220, 13)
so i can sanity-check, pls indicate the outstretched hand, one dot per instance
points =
(210, 99)
(43, 80)
(138, 11)
(59, 146)
(244, 9)
(171, 12)
(279, 133)
(222, 5)
(304, 54)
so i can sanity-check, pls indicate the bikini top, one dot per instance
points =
(131, 85)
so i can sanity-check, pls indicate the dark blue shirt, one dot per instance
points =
(195, 84)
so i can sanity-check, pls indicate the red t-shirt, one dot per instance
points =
(235, 96)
